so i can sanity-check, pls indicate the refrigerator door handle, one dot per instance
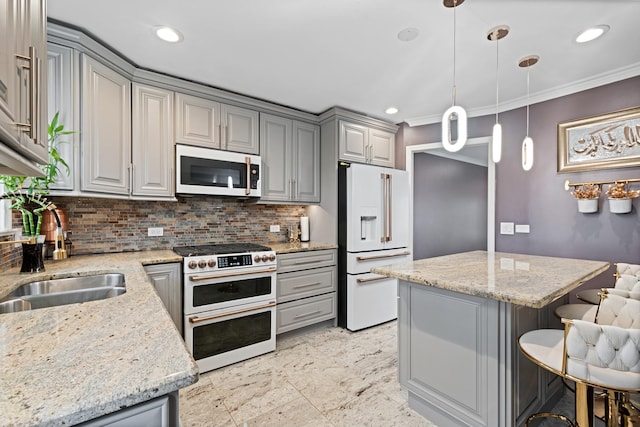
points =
(383, 177)
(390, 207)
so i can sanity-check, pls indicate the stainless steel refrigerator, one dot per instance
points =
(373, 230)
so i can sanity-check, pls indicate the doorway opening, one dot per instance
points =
(448, 225)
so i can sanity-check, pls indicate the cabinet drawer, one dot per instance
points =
(306, 283)
(306, 260)
(305, 312)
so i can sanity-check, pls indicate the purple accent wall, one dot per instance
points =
(538, 197)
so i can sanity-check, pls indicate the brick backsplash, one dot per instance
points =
(111, 225)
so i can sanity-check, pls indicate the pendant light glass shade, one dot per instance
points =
(527, 144)
(496, 143)
(527, 153)
(455, 111)
(452, 113)
(495, 34)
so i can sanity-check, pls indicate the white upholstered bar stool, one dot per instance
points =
(626, 285)
(605, 355)
(590, 296)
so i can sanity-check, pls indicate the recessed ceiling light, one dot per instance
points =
(168, 34)
(391, 110)
(592, 33)
(408, 34)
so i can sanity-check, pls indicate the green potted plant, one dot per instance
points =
(587, 196)
(26, 195)
(620, 197)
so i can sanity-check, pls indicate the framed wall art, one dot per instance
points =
(608, 141)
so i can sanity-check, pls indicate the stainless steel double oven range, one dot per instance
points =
(229, 302)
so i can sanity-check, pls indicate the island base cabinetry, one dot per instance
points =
(459, 358)
(160, 412)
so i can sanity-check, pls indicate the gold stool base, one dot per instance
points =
(549, 415)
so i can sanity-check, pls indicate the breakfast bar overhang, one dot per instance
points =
(459, 319)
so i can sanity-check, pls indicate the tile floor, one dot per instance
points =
(325, 377)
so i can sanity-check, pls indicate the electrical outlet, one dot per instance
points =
(506, 228)
(523, 228)
(274, 228)
(155, 231)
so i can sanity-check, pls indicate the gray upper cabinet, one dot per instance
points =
(23, 114)
(197, 121)
(152, 147)
(208, 123)
(239, 129)
(62, 99)
(290, 160)
(106, 129)
(363, 144)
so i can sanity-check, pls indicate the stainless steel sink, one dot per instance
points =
(109, 280)
(72, 290)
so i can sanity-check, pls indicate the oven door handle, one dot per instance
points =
(196, 319)
(198, 278)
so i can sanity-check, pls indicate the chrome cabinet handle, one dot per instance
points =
(196, 319)
(311, 313)
(306, 285)
(31, 128)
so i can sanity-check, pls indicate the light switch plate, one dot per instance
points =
(506, 228)
(155, 231)
(522, 228)
(274, 228)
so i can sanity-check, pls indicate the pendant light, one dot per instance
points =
(455, 112)
(495, 34)
(527, 144)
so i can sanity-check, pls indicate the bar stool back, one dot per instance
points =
(604, 354)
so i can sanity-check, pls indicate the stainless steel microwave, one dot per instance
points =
(207, 171)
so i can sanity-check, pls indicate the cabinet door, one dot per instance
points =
(152, 143)
(61, 99)
(197, 121)
(306, 164)
(239, 129)
(276, 148)
(382, 148)
(168, 285)
(353, 142)
(8, 82)
(106, 128)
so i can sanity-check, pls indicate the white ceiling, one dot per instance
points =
(316, 54)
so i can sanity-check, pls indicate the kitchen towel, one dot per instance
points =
(304, 228)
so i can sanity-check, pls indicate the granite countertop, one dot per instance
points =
(287, 248)
(528, 280)
(67, 364)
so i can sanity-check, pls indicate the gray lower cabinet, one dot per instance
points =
(290, 151)
(306, 289)
(166, 278)
(159, 412)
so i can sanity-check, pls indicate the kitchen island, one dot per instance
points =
(459, 319)
(68, 364)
